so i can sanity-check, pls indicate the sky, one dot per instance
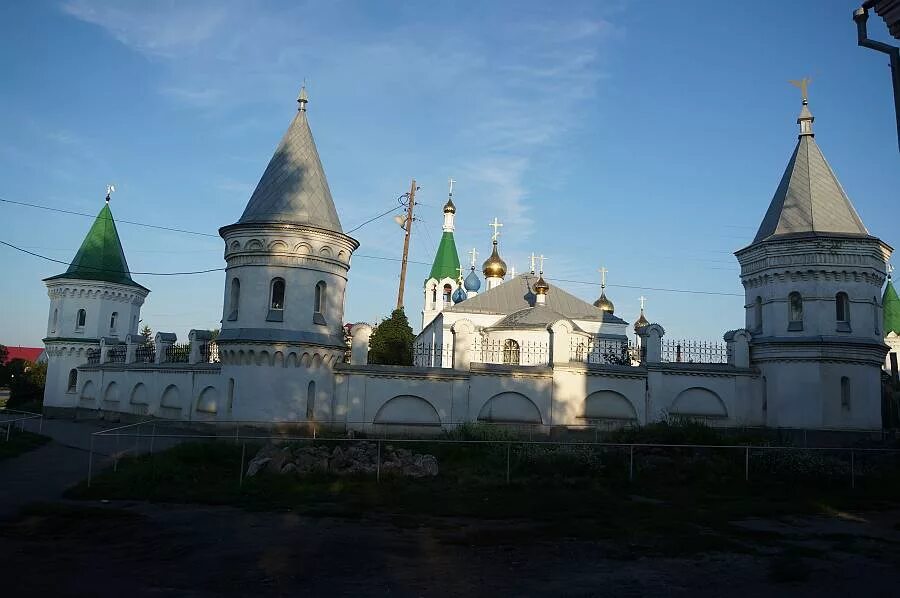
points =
(647, 137)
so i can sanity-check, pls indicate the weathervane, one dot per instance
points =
(110, 189)
(803, 86)
(496, 226)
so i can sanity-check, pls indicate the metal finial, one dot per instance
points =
(603, 271)
(303, 99)
(474, 254)
(496, 226)
(805, 120)
(542, 258)
(110, 189)
(642, 299)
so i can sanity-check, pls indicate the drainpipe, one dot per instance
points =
(861, 15)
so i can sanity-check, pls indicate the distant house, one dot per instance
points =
(35, 354)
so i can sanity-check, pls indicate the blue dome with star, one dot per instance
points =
(472, 282)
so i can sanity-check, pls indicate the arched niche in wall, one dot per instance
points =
(208, 402)
(112, 393)
(139, 394)
(510, 407)
(609, 404)
(700, 402)
(89, 391)
(408, 409)
(171, 397)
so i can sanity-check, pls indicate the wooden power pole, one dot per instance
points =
(408, 227)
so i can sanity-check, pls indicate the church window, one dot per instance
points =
(433, 296)
(795, 313)
(876, 316)
(319, 303)
(73, 380)
(510, 352)
(234, 299)
(276, 305)
(765, 394)
(311, 401)
(845, 393)
(448, 292)
(80, 319)
(113, 321)
(842, 311)
(55, 320)
(757, 314)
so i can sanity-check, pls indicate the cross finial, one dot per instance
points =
(643, 299)
(303, 99)
(110, 189)
(533, 259)
(890, 270)
(451, 181)
(602, 272)
(460, 270)
(542, 258)
(803, 86)
(496, 226)
(474, 254)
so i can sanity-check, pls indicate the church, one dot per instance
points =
(499, 348)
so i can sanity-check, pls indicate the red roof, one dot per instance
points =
(26, 353)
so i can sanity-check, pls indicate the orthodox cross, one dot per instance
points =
(496, 226)
(642, 298)
(460, 270)
(451, 185)
(110, 189)
(542, 258)
(533, 258)
(890, 270)
(802, 85)
(474, 254)
(602, 272)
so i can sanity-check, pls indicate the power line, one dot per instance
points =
(627, 286)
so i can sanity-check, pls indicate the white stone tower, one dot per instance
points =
(94, 298)
(287, 263)
(812, 278)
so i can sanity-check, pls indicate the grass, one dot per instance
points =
(19, 442)
(681, 507)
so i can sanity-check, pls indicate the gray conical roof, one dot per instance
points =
(293, 189)
(809, 198)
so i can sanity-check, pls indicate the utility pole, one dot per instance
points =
(408, 227)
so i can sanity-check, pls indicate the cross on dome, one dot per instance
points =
(533, 259)
(474, 254)
(496, 226)
(642, 300)
(542, 258)
(602, 272)
(110, 189)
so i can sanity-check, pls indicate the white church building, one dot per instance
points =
(508, 349)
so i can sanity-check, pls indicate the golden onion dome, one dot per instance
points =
(604, 303)
(541, 287)
(641, 322)
(494, 267)
(449, 208)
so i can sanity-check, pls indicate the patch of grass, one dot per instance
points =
(19, 442)
(789, 567)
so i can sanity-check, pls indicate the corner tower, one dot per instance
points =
(445, 270)
(287, 263)
(812, 277)
(94, 298)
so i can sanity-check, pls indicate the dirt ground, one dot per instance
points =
(138, 549)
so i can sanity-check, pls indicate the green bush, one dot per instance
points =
(391, 342)
(674, 430)
(26, 384)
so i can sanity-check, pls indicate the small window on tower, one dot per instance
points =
(842, 312)
(319, 303)
(276, 305)
(757, 314)
(845, 393)
(795, 311)
(113, 321)
(448, 292)
(54, 321)
(73, 380)
(80, 319)
(234, 299)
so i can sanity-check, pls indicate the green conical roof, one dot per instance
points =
(446, 260)
(891, 304)
(100, 256)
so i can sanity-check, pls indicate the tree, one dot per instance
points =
(392, 341)
(26, 385)
(4, 371)
(4, 353)
(147, 333)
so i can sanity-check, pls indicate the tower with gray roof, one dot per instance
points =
(812, 279)
(287, 263)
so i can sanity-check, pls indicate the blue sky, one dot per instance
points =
(647, 136)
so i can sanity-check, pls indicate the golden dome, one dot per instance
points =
(541, 287)
(449, 208)
(641, 322)
(604, 303)
(494, 267)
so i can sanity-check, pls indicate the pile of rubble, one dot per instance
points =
(356, 458)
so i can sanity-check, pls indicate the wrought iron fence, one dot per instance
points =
(511, 352)
(178, 353)
(145, 353)
(432, 355)
(93, 356)
(692, 351)
(116, 354)
(209, 352)
(604, 351)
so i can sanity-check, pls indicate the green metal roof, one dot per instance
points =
(446, 260)
(891, 309)
(100, 256)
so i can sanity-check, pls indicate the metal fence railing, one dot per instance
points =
(12, 418)
(432, 355)
(511, 352)
(604, 351)
(693, 351)
(116, 354)
(843, 465)
(93, 356)
(209, 352)
(145, 353)
(178, 353)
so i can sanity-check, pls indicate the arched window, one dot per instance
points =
(54, 321)
(757, 314)
(876, 316)
(433, 296)
(276, 305)
(320, 297)
(845, 393)
(795, 311)
(311, 401)
(80, 319)
(842, 311)
(510, 352)
(230, 393)
(73, 380)
(113, 321)
(234, 299)
(448, 293)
